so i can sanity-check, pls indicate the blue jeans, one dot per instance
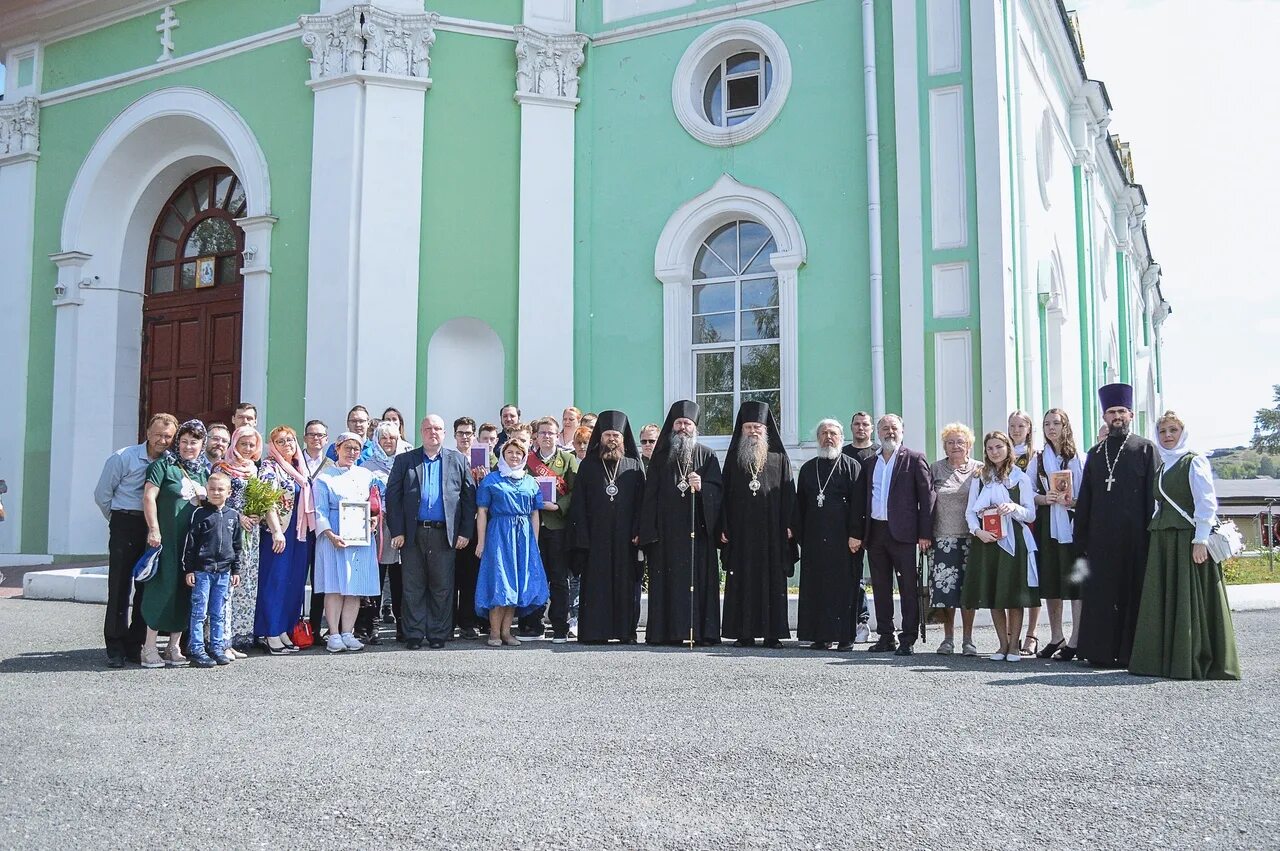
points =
(209, 597)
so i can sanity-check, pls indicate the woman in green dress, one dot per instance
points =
(174, 487)
(1184, 622)
(1001, 573)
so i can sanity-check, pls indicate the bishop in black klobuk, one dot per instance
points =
(683, 490)
(759, 551)
(1115, 504)
(603, 522)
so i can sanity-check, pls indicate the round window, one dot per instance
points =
(731, 83)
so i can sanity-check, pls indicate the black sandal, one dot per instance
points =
(1065, 653)
(1050, 649)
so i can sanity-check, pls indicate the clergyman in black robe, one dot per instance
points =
(683, 489)
(1112, 512)
(602, 528)
(830, 514)
(755, 534)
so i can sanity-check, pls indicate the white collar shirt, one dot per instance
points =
(880, 480)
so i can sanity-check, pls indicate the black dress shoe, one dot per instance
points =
(435, 644)
(134, 656)
(773, 643)
(115, 660)
(820, 645)
(412, 643)
(468, 634)
(1065, 653)
(886, 644)
(844, 646)
(905, 650)
(745, 642)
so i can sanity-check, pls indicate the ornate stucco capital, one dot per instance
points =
(366, 39)
(19, 130)
(547, 66)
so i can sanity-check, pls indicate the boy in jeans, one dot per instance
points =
(211, 561)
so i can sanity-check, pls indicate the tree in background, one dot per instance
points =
(1266, 424)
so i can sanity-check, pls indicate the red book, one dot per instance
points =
(991, 523)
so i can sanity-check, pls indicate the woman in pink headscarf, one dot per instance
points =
(282, 553)
(241, 464)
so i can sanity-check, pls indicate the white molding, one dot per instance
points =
(365, 38)
(910, 224)
(111, 209)
(692, 19)
(621, 10)
(19, 130)
(952, 381)
(700, 59)
(942, 21)
(948, 168)
(551, 16)
(371, 79)
(547, 65)
(191, 60)
(950, 290)
(726, 201)
(16, 55)
(468, 26)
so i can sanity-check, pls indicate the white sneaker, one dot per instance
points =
(335, 644)
(350, 642)
(996, 657)
(1013, 657)
(863, 635)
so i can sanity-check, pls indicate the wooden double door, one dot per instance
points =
(193, 303)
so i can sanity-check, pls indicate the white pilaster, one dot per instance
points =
(257, 300)
(547, 90)
(370, 74)
(19, 145)
(550, 16)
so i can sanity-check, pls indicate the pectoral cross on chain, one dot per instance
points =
(1111, 480)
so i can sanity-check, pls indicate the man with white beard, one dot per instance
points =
(830, 514)
(759, 550)
(683, 490)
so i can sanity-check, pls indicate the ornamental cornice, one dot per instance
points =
(20, 129)
(547, 64)
(365, 38)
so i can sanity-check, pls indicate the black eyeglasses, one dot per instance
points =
(315, 434)
(647, 442)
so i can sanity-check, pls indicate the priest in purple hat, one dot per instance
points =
(1115, 504)
(759, 549)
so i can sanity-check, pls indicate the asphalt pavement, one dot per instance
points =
(546, 746)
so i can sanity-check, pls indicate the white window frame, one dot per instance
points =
(709, 51)
(727, 201)
(763, 88)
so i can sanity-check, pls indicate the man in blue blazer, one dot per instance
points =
(431, 514)
(899, 494)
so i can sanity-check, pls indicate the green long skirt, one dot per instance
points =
(994, 579)
(1184, 627)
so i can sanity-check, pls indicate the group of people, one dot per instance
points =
(565, 521)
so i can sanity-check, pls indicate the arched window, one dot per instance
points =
(729, 261)
(735, 332)
(196, 242)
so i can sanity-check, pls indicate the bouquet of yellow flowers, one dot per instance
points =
(259, 498)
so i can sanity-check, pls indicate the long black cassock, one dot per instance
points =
(602, 528)
(664, 531)
(758, 557)
(1111, 534)
(830, 509)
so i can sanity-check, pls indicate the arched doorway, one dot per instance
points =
(193, 301)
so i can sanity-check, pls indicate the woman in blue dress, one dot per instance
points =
(511, 579)
(345, 570)
(282, 559)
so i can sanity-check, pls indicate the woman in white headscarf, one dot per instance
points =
(1184, 622)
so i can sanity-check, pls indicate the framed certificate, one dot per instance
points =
(354, 525)
(547, 487)
(206, 272)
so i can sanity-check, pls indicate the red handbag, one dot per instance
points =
(301, 634)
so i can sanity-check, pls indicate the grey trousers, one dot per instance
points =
(426, 566)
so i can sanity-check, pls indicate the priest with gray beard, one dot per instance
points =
(830, 513)
(756, 539)
(683, 493)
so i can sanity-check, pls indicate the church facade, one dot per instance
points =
(831, 205)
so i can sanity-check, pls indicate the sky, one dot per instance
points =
(1192, 90)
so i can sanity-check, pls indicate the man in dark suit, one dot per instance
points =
(899, 520)
(431, 512)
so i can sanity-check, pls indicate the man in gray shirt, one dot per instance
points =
(119, 497)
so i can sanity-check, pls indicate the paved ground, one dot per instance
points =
(574, 747)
